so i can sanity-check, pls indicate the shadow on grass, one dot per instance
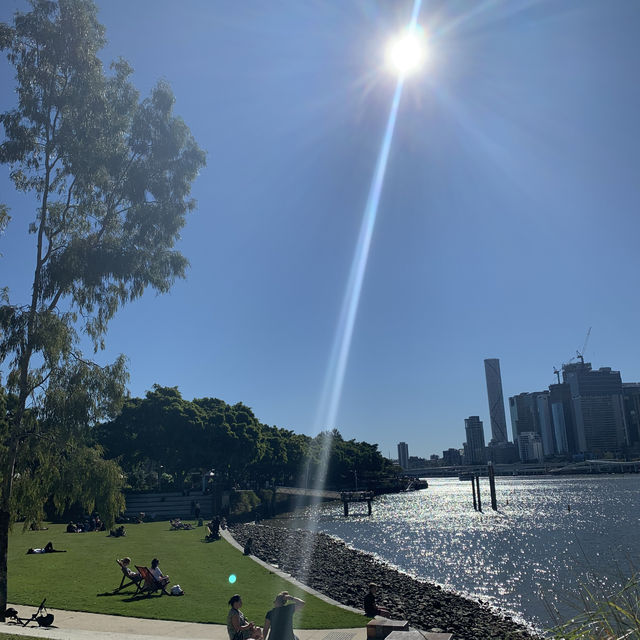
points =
(144, 596)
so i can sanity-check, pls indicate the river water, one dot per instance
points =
(531, 557)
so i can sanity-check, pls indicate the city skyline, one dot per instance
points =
(555, 415)
(507, 219)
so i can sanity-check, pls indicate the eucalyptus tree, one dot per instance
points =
(110, 176)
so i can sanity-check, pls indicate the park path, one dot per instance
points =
(77, 625)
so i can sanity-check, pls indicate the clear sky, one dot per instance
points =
(508, 223)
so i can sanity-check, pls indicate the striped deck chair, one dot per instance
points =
(149, 584)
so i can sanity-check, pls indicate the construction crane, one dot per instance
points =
(580, 354)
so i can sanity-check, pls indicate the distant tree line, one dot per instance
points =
(164, 434)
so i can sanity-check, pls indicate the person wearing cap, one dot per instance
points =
(278, 624)
(371, 609)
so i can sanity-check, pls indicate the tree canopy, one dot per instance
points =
(165, 431)
(111, 176)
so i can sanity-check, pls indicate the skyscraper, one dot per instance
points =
(403, 455)
(530, 447)
(563, 420)
(523, 410)
(533, 413)
(631, 394)
(545, 423)
(496, 400)
(474, 449)
(598, 407)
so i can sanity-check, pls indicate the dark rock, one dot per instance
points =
(330, 566)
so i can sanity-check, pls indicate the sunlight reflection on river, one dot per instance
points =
(531, 552)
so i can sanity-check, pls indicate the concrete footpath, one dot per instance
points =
(78, 625)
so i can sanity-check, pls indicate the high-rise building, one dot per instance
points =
(496, 400)
(631, 397)
(544, 424)
(530, 447)
(403, 455)
(523, 411)
(474, 448)
(451, 457)
(563, 420)
(502, 452)
(598, 407)
(532, 413)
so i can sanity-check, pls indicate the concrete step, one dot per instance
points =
(167, 505)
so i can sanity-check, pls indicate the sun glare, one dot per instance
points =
(408, 52)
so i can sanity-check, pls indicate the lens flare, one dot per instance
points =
(338, 359)
(232, 578)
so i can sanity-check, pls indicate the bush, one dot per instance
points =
(243, 502)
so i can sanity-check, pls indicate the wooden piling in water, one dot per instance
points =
(356, 496)
(492, 487)
(473, 491)
(478, 490)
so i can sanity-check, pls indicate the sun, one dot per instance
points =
(407, 52)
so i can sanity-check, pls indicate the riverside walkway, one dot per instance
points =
(78, 625)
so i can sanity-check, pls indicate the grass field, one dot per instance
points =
(82, 578)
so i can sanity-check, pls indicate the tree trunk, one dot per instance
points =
(4, 547)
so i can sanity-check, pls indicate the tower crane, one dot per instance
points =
(580, 354)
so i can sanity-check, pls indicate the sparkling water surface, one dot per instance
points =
(529, 558)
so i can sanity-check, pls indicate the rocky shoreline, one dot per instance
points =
(343, 574)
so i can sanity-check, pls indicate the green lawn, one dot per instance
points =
(81, 579)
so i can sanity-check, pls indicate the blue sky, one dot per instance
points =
(508, 223)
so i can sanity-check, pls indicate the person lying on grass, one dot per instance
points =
(48, 548)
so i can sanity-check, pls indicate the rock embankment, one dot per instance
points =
(344, 573)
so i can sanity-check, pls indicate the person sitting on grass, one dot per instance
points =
(125, 565)
(371, 609)
(237, 626)
(157, 574)
(213, 530)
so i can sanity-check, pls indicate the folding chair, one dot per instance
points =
(42, 617)
(149, 584)
(125, 576)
